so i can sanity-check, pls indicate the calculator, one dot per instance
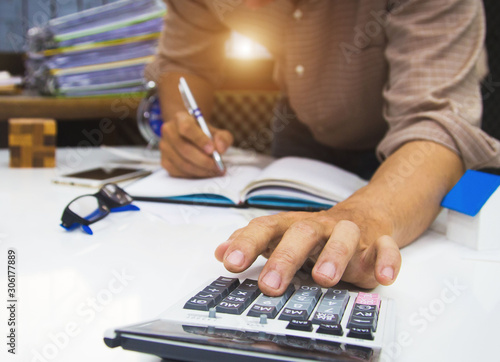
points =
(227, 319)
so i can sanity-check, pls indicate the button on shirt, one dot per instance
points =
(297, 14)
(359, 73)
(299, 69)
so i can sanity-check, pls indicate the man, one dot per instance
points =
(397, 75)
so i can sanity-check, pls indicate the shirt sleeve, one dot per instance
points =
(433, 90)
(192, 41)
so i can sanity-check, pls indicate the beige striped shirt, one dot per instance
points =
(359, 73)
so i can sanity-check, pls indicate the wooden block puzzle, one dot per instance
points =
(32, 142)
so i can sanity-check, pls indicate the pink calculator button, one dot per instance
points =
(368, 298)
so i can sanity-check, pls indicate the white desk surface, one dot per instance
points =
(72, 286)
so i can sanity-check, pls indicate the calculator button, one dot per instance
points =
(320, 317)
(258, 310)
(363, 313)
(299, 314)
(308, 291)
(299, 325)
(331, 308)
(270, 306)
(222, 287)
(242, 294)
(233, 298)
(230, 282)
(365, 308)
(336, 294)
(199, 304)
(227, 284)
(230, 307)
(251, 286)
(371, 299)
(355, 322)
(361, 333)
(205, 295)
(217, 293)
(301, 304)
(330, 328)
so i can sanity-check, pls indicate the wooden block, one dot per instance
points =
(32, 142)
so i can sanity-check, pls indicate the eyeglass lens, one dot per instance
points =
(89, 208)
(116, 194)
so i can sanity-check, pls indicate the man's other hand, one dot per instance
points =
(186, 151)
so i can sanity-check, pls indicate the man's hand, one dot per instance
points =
(186, 151)
(350, 241)
(357, 240)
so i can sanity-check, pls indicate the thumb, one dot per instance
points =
(388, 260)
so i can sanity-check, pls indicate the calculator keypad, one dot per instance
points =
(303, 308)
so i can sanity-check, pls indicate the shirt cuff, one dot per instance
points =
(476, 148)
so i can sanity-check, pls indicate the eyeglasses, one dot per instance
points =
(88, 209)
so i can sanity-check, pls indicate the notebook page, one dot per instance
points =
(312, 176)
(160, 184)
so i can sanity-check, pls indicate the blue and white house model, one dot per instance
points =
(474, 211)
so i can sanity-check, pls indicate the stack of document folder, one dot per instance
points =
(97, 52)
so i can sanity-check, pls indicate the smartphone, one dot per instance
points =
(96, 177)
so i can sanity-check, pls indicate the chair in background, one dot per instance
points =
(247, 115)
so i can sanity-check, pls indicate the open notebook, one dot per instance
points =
(289, 183)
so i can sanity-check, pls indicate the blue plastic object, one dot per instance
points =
(471, 192)
(129, 207)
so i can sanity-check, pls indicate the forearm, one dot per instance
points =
(170, 98)
(409, 186)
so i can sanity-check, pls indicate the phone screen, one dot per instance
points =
(102, 173)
